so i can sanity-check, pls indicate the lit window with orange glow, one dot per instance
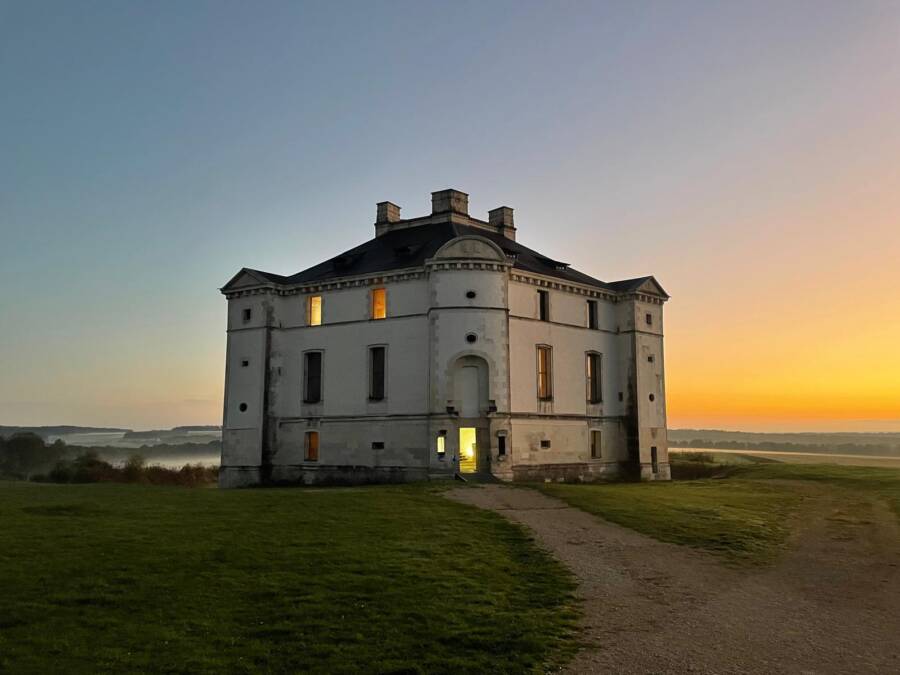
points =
(544, 375)
(314, 310)
(379, 303)
(312, 446)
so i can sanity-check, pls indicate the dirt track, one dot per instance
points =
(831, 604)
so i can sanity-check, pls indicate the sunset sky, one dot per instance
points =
(745, 153)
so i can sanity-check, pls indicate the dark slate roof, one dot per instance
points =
(412, 246)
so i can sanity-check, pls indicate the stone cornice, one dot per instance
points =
(411, 273)
(373, 279)
(643, 297)
(563, 285)
(463, 264)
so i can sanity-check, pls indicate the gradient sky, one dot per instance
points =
(745, 153)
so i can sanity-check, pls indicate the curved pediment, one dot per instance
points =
(471, 247)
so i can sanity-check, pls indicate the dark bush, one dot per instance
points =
(704, 457)
(692, 470)
(89, 468)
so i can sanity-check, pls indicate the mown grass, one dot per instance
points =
(743, 515)
(878, 482)
(125, 578)
(742, 521)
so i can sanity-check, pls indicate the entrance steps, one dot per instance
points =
(477, 477)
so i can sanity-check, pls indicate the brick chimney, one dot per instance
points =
(450, 200)
(501, 218)
(386, 214)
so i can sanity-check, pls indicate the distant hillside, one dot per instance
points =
(44, 432)
(887, 443)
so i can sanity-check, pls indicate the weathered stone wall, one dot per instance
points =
(464, 310)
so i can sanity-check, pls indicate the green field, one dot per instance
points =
(119, 578)
(742, 517)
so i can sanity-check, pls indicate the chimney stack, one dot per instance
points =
(502, 219)
(450, 200)
(386, 215)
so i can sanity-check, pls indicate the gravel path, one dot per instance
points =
(831, 604)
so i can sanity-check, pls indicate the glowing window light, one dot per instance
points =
(379, 303)
(314, 310)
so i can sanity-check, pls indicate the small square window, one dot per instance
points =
(378, 445)
(245, 363)
(545, 444)
(649, 319)
(247, 314)
(650, 359)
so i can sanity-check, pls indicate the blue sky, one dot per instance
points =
(150, 150)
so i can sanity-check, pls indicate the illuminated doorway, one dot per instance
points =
(468, 449)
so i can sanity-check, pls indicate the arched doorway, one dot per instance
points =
(471, 396)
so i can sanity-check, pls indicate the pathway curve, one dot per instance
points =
(831, 604)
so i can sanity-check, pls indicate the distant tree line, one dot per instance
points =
(839, 448)
(26, 456)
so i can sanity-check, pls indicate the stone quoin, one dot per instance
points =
(442, 346)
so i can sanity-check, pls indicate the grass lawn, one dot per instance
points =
(125, 578)
(741, 520)
(742, 517)
(878, 482)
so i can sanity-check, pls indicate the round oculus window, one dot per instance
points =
(242, 407)
(471, 294)
(471, 337)
(652, 397)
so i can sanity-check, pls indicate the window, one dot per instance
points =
(652, 398)
(312, 446)
(501, 445)
(312, 386)
(247, 314)
(545, 444)
(594, 389)
(378, 445)
(441, 445)
(592, 314)
(649, 319)
(245, 363)
(596, 444)
(654, 460)
(471, 337)
(379, 303)
(544, 305)
(650, 359)
(545, 376)
(376, 373)
(242, 407)
(314, 310)
(621, 396)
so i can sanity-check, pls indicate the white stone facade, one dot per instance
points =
(460, 340)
